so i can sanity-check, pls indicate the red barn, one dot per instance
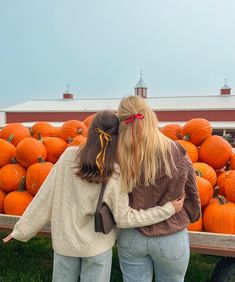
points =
(218, 109)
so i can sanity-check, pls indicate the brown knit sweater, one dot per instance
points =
(167, 189)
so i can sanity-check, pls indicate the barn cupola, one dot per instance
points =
(225, 90)
(67, 95)
(141, 88)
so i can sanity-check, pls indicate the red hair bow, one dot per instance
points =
(132, 118)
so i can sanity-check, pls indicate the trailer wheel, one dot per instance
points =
(224, 270)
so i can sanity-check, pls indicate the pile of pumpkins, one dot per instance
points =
(213, 161)
(28, 155)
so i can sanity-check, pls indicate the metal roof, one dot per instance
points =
(141, 84)
(181, 103)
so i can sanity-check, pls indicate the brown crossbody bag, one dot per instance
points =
(104, 221)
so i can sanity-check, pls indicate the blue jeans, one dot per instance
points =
(139, 255)
(89, 269)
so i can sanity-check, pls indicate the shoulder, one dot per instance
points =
(177, 151)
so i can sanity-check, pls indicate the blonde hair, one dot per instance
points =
(143, 149)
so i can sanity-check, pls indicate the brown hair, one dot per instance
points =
(108, 122)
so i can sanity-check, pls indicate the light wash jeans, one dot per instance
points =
(139, 255)
(89, 269)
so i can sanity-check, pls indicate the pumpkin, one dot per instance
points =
(15, 130)
(220, 183)
(172, 131)
(55, 147)
(73, 128)
(196, 130)
(77, 141)
(226, 183)
(57, 132)
(190, 148)
(43, 128)
(216, 194)
(28, 151)
(2, 197)
(206, 171)
(232, 162)
(16, 202)
(215, 151)
(7, 151)
(196, 226)
(219, 217)
(36, 175)
(88, 120)
(205, 190)
(10, 177)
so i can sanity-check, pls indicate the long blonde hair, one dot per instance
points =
(143, 149)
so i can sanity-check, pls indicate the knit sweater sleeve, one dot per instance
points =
(192, 201)
(38, 213)
(127, 217)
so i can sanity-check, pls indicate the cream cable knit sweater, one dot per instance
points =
(70, 204)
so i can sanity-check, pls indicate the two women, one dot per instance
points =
(69, 196)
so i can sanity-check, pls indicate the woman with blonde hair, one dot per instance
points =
(154, 169)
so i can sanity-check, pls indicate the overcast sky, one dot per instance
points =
(98, 47)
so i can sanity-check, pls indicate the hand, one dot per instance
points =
(7, 239)
(178, 203)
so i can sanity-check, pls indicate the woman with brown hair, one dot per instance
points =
(68, 198)
(154, 169)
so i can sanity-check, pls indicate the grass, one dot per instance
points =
(32, 262)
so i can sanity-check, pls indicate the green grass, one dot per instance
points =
(32, 262)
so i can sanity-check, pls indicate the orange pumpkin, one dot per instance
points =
(55, 147)
(219, 217)
(28, 151)
(88, 120)
(205, 190)
(2, 197)
(42, 128)
(73, 128)
(206, 171)
(77, 141)
(226, 183)
(215, 151)
(15, 130)
(232, 162)
(196, 226)
(36, 175)
(7, 151)
(196, 130)
(190, 148)
(16, 202)
(10, 177)
(172, 131)
(57, 132)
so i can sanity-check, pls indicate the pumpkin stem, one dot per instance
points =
(41, 160)
(216, 192)
(79, 131)
(21, 187)
(13, 160)
(198, 172)
(222, 200)
(40, 137)
(10, 138)
(186, 137)
(70, 139)
(31, 131)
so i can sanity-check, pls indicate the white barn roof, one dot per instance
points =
(181, 103)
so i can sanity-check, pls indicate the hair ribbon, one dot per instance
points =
(104, 140)
(132, 118)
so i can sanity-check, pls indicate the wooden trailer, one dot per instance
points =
(200, 242)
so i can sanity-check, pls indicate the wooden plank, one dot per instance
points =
(200, 242)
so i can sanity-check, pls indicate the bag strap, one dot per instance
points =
(99, 204)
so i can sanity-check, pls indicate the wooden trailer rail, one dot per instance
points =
(200, 242)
